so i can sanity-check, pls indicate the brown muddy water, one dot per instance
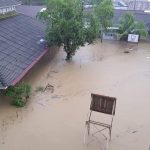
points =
(55, 119)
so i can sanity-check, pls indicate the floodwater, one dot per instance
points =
(54, 119)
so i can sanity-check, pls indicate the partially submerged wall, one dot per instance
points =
(36, 72)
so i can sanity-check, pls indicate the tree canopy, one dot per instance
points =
(128, 25)
(105, 11)
(95, 2)
(31, 2)
(68, 25)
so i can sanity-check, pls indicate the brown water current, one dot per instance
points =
(54, 119)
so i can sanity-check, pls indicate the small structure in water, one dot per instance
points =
(111, 33)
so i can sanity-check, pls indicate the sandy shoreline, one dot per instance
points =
(56, 120)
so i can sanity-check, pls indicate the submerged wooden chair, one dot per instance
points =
(101, 104)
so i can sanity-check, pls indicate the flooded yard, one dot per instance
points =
(54, 118)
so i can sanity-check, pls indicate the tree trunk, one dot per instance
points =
(68, 57)
(101, 36)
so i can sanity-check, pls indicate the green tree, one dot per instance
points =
(19, 93)
(104, 11)
(141, 29)
(128, 25)
(32, 2)
(95, 2)
(67, 25)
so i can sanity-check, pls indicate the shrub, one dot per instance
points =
(7, 15)
(19, 94)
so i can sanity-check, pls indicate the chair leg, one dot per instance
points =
(88, 128)
(110, 129)
(110, 133)
(87, 131)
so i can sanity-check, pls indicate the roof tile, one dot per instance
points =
(19, 46)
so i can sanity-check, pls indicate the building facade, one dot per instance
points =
(7, 6)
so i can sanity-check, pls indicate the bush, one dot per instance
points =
(7, 15)
(19, 94)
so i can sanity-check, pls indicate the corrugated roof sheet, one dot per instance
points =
(19, 46)
(8, 3)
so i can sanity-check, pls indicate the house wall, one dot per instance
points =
(109, 36)
(36, 72)
(4, 10)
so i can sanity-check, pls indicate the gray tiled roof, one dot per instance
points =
(29, 10)
(8, 2)
(119, 4)
(1, 85)
(19, 46)
(139, 5)
(139, 15)
(1, 81)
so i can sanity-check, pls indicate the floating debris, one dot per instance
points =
(134, 131)
(56, 96)
(53, 71)
(126, 51)
(49, 88)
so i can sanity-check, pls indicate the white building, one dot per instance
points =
(8, 6)
(119, 4)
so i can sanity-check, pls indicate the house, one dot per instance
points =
(22, 45)
(8, 6)
(139, 5)
(111, 33)
(119, 4)
(139, 16)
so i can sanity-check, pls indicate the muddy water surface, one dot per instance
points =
(55, 119)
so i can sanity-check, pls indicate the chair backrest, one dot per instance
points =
(103, 104)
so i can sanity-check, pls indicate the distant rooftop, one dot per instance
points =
(119, 4)
(4, 3)
(33, 2)
(139, 5)
(29, 10)
(139, 16)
